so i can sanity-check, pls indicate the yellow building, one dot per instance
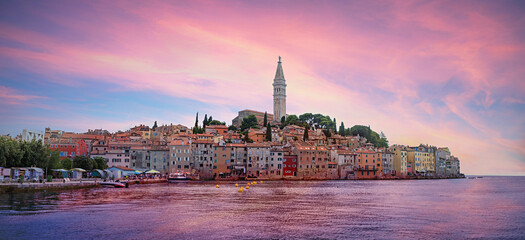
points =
(400, 160)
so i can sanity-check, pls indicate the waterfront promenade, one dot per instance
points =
(56, 185)
(8, 187)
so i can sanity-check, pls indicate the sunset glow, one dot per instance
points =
(445, 73)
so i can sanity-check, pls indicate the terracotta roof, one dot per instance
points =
(365, 151)
(125, 168)
(235, 145)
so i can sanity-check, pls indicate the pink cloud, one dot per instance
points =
(10, 96)
(225, 55)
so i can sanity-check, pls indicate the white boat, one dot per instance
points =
(178, 177)
(113, 184)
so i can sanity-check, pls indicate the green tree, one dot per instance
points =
(265, 121)
(268, 133)
(292, 119)
(210, 119)
(342, 129)
(382, 143)
(65, 163)
(335, 126)
(283, 119)
(232, 128)
(305, 136)
(307, 118)
(371, 136)
(84, 163)
(155, 125)
(327, 133)
(14, 154)
(100, 163)
(246, 138)
(196, 127)
(249, 122)
(54, 161)
(3, 151)
(205, 121)
(216, 122)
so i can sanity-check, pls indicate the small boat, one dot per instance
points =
(113, 185)
(178, 177)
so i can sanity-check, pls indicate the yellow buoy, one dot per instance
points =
(217, 186)
(236, 185)
(241, 189)
(247, 184)
(247, 187)
(261, 181)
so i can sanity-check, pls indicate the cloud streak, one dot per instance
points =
(444, 73)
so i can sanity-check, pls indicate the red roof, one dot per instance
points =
(125, 168)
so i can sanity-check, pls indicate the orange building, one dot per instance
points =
(312, 162)
(368, 164)
(217, 129)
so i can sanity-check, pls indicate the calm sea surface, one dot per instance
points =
(489, 207)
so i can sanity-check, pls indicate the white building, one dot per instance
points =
(28, 136)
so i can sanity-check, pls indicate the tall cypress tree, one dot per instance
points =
(205, 121)
(335, 126)
(265, 119)
(305, 136)
(283, 119)
(268, 133)
(342, 129)
(196, 127)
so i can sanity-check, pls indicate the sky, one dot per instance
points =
(444, 73)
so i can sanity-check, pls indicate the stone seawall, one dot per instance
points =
(49, 186)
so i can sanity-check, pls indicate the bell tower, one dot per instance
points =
(279, 93)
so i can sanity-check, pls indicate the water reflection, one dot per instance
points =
(488, 207)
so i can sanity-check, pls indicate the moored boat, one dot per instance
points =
(113, 184)
(178, 177)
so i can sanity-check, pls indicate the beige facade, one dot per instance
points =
(400, 160)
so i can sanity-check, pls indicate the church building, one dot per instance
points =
(279, 101)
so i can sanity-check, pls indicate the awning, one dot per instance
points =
(137, 172)
(152, 171)
(36, 169)
(78, 170)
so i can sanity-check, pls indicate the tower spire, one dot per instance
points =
(279, 75)
(279, 93)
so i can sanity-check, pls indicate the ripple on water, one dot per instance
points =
(491, 207)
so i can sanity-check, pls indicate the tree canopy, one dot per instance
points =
(216, 122)
(249, 122)
(154, 126)
(23, 154)
(371, 136)
(317, 120)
